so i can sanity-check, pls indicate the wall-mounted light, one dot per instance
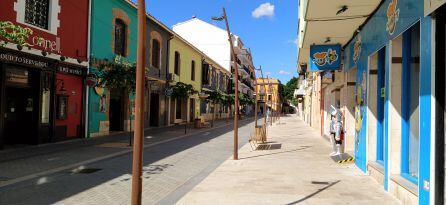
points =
(62, 58)
(19, 47)
(328, 40)
(44, 53)
(342, 10)
(79, 61)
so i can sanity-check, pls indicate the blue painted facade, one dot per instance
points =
(391, 20)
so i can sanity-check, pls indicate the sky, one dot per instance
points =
(268, 27)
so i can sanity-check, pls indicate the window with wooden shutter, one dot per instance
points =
(120, 37)
(156, 51)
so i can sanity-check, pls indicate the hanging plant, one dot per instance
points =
(182, 90)
(14, 33)
(118, 74)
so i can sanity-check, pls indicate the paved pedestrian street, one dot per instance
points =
(198, 169)
(296, 169)
(170, 169)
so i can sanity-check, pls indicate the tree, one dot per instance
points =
(182, 90)
(215, 97)
(288, 89)
(119, 74)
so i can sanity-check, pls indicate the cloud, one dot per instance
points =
(266, 9)
(282, 72)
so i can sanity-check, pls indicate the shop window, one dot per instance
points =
(120, 37)
(36, 13)
(192, 71)
(410, 104)
(177, 63)
(156, 53)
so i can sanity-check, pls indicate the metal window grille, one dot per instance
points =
(36, 13)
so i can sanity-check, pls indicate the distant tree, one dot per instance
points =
(288, 89)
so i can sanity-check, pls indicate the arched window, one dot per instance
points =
(156, 53)
(177, 63)
(192, 70)
(120, 37)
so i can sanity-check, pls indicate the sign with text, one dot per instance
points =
(325, 57)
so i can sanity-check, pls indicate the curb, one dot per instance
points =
(116, 154)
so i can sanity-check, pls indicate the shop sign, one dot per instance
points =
(22, 60)
(432, 5)
(17, 76)
(68, 70)
(325, 57)
(23, 36)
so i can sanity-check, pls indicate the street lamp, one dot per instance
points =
(139, 107)
(225, 18)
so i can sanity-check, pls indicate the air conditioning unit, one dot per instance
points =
(172, 77)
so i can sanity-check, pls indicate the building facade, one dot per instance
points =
(213, 41)
(185, 63)
(268, 90)
(43, 62)
(390, 89)
(113, 36)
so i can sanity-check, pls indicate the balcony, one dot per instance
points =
(156, 74)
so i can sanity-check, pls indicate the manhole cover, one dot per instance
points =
(86, 171)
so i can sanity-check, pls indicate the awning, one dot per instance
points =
(330, 22)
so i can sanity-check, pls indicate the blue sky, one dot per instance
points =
(271, 36)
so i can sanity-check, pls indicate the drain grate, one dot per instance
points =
(320, 183)
(86, 171)
(269, 146)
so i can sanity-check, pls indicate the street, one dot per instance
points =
(170, 170)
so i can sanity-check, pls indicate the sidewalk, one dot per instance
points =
(295, 170)
(34, 161)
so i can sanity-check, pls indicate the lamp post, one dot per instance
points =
(225, 18)
(139, 107)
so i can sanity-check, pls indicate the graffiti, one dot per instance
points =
(393, 14)
(357, 49)
(323, 58)
(360, 94)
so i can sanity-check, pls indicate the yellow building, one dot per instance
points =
(269, 89)
(184, 66)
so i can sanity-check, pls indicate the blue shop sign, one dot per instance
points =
(325, 57)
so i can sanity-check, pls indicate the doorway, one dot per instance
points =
(154, 109)
(440, 106)
(116, 111)
(21, 107)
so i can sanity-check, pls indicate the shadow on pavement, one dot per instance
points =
(315, 193)
(58, 186)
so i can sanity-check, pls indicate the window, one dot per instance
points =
(120, 37)
(205, 74)
(156, 50)
(177, 63)
(36, 13)
(410, 104)
(192, 70)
